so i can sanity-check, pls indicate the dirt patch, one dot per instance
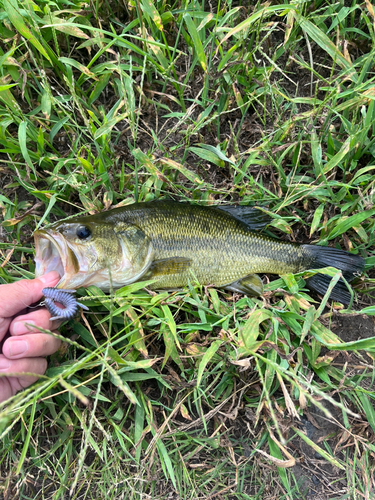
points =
(350, 328)
(316, 477)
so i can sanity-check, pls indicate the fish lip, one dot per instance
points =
(52, 253)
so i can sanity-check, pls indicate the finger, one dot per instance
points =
(12, 384)
(4, 325)
(33, 322)
(16, 296)
(6, 390)
(30, 345)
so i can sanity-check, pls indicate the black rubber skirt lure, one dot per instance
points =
(66, 299)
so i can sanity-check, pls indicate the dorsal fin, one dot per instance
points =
(251, 216)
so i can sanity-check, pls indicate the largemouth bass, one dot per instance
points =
(177, 243)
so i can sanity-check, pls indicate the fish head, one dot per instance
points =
(87, 253)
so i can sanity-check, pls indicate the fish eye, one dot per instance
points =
(83, 232)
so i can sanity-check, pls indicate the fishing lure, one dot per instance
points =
(66, 299)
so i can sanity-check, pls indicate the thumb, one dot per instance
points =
(16, 296)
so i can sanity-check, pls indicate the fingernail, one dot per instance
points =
(17, 347)
(49, 278)
(21, 327)
(4, 364)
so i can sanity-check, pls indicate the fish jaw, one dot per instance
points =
(52, 253)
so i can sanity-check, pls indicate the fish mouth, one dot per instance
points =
(52, 253)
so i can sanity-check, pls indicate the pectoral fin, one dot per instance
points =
(173, 265)
(251, 285)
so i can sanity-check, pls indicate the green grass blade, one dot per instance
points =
(22, 137)
(149, 8)
(326, 44)
(198, 47)
(26, 444)
(13, 10)
(347, 223)
(208, 355)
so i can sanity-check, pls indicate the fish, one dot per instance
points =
(175, 243)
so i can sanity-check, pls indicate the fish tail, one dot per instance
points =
(349, 264)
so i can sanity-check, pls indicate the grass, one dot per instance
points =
(194, 394)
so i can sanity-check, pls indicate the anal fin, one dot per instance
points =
(250, 285)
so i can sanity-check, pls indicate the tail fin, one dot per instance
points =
(350, 265)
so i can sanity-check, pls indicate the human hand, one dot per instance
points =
(22, 351)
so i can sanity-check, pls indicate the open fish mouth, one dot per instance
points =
(52, 253)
